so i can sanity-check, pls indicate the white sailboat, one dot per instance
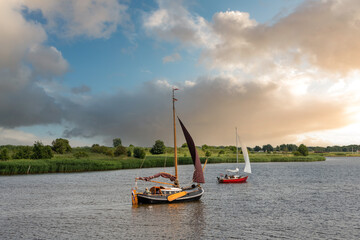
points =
(236, 178)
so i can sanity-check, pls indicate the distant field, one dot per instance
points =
(67, 163)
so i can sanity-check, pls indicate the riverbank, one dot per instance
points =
(68, 164)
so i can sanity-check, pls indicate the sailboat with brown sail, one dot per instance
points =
(172, 193)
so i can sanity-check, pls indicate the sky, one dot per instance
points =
(282, 71)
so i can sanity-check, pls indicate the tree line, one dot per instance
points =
(62, 146)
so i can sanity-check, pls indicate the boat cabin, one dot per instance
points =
(164, 190)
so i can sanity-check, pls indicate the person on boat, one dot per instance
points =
(226, 176)
(147, 191)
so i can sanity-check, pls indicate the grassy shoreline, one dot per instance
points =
(68, 164)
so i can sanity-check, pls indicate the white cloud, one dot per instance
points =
(17, 35)
(16, 137)
(71, 18)
(174, 22)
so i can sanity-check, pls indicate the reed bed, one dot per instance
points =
(67, 163)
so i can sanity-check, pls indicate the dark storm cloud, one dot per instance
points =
(210, 109)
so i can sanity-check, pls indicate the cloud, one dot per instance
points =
(322, 33)
(47, 61)
(81, 89)
(210, 108)
(70, 18)
(17, 35)
(29, 67)
(172, 21)
(24, 60)
(172, 58)
(16, 137)
(27, 105)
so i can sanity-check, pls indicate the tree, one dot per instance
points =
(120, 150)
(117, 142)
(23, 152)
(268, 148)
(204, 147)
(4, 154)
(208, 154)
(61, 146)
(41, 152)
(158, 148)
(292, 147)
(257, 148)
(232, 148)
(303, 150)
(139, 152)
(284, 148)
(184, 145)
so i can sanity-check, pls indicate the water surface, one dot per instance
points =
(316, 200)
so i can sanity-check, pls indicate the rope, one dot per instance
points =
(142, 162)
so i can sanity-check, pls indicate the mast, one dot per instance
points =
(237, 151)
(175, 148)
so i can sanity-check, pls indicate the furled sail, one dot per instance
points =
(161, 174)
(198, 173)
(233, 170)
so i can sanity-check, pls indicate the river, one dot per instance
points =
(312, 200)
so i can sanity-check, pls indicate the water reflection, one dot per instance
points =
(177, 220)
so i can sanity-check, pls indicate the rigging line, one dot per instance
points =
(165, 160)
(142, 162)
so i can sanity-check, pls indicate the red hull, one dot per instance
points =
(232, 180)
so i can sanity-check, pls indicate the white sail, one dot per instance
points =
(247, 168)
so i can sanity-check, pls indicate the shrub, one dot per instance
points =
(96, 148)
(208, 154)
(81, 155)
(120, 150)
(297, 153)
(4, 154)
(23, 152)
(139, 152)
(129, 153)
(303, 150)
(204, 147)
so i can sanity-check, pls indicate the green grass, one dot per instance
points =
(97, 162)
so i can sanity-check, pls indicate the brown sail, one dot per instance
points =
(198, 173)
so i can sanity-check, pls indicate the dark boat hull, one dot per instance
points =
(192, 195)
(233, 180)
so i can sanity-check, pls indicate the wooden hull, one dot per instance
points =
(232, 180)
(191, 195)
